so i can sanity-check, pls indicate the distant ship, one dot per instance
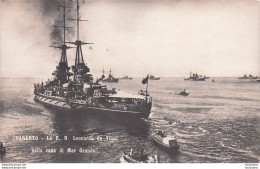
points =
(110, 78)
(252, 77)
(248, 77)
(126, 78)
(76, 91)
(152, 77)
(195, 77)
(243, 77)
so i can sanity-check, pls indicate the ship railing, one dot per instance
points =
(52, 97)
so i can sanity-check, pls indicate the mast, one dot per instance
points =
(64, 22)
(110, 74)
(79, 68)
(103, 75)
(77, 20)
(61, 72)
(146, 91)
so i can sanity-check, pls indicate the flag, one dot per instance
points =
(145, 80)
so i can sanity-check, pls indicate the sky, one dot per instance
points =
(169, 38)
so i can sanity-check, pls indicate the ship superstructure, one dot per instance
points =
(152, 77)
(110, 78)
(196, 77)
(248, 77)
(62, 73)
(81, 93)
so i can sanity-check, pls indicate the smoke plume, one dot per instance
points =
(52, 16)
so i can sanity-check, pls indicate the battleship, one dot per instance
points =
(248, 77)
(195, 77)
(76, 91)
(126, 78)
(252, 77)
(109, 79)
(152, 77)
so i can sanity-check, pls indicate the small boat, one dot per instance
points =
(133, 157)
(167, 142)
(184, 93)
(2, 148)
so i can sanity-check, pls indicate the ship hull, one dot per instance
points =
(93, 109)
(111, 80)
(252, 77)
(192, 79)
(184, 94)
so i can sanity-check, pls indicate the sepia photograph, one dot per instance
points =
(130, 81)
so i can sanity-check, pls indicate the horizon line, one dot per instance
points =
(9, 77)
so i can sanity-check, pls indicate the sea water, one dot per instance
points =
(217, 123)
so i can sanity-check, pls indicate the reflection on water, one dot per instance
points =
(217, 122)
